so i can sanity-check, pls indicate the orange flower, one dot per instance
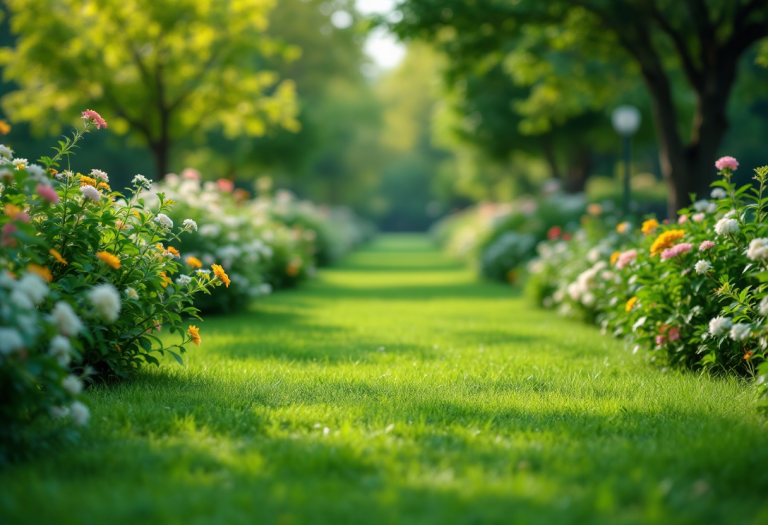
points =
(42, 271)
(630, 304)
(615, 256)
(221, 274)
(103, 186)
(109, 259)
(173, 251)
(5, 128)
(11, 210)
(194, 262)
(649, 226)
(666, 240)
(293, 268)
(57, 256)
(194, 333)
(594, 209)
(749, 354)
(166, 280)
(87, 181)
(623, 227)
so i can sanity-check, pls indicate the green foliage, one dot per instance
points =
(159, 69)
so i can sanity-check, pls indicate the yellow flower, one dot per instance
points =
(57, 256)
(87, 181)
(221, 274)
(665, 240)
(173, 251)
(103, 186)
(649, 226)
(170, 202)
(109, 259)
(630, 304)
(614, 256)
(5, 128)
(623, 227)
(42, 271)
(160, 246)
(594, 209)
(194, 262)
(11, 210)
(194, 333)
(166, 280)
(136, 213)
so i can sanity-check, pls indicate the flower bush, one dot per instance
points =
(692, 293)
(87, 276)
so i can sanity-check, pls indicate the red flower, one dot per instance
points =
(567, 237)
(226, 185)
(554, 232)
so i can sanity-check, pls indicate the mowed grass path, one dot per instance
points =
(397, 389)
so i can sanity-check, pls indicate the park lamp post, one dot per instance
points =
(626, 119)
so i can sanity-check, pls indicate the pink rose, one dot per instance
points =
(47, 193)
(727, 163)
(705, 245)
(226, 185)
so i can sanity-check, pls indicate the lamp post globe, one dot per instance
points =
(626, 120)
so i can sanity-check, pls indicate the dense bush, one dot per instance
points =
(499, 238)
(692, 294)
(86, 279)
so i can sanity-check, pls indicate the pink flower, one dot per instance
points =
(675, 251)
(698, 217)
(625, 258)
(22, 216)
(660, 339)
(682, 219)
(674, 333)
(91, 115)
(190, 174)
(727, 163)
(226, 185)
(47, 193)
(6, 239)
(705, 245)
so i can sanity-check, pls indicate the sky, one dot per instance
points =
(381, 46)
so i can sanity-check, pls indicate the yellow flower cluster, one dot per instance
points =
(87, 181)
(221, 274)
(650, 226)
(666, 240)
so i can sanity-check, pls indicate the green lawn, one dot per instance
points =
(396, 388)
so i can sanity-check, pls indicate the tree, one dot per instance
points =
(704, 39)
(160, 69)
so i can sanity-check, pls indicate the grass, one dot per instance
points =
(397, 389)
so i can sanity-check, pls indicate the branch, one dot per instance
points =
(694, 74)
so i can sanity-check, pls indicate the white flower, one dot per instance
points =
(163, 220)
(22, 300)
(59, 412)
(37, 172)
(10, 340)
(206, 272)
(6, 152)
(210, 230)
(701, 205)
(265, 289)
(89, 192)
(60, 348)
(6, 280)
(184, 280)
(142, 182)
(106, 301)
(72, 384)
(698, 217)
(712, 208)
(718, 325)
(758, 249)
(34, 286)
(718, 193)
(189, 224)
(130, 293)
(80, 413)
(726, 226)
(740, 331)
(65, 319)
(764, 307)
(20, 163)
(702, 267)
(100, 175)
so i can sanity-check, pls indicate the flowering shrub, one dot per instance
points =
(692, 293)
(502, 237)
(86, 278)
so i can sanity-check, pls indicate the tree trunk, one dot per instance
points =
(160, 156)
(579, 165)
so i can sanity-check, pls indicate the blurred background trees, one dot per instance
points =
(491, 100)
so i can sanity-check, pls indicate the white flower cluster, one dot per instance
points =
(758, 249)
(726, 226)
(106, 301)
(141, 182)
(163, 220)
(91, 193)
